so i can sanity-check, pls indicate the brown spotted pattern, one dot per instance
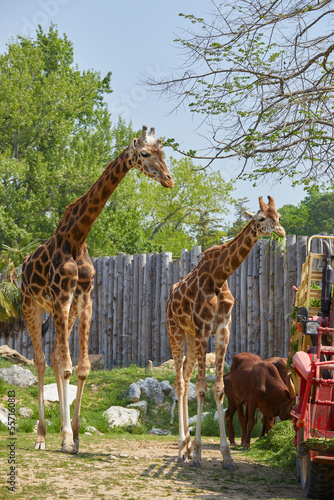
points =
(59, 278)
(200, 305)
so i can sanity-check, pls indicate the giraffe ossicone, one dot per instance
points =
(59, 278)
(200, 305)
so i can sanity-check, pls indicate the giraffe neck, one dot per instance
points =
(80, 215)
(230, 255)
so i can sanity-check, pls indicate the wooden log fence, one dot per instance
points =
(131, 292)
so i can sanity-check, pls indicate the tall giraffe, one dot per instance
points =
(59, 278)
(200, 305)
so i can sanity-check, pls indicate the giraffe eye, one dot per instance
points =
(261, 219)
(145, 154)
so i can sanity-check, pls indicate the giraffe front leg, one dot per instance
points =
(226, 302)
(201, 388)
(85, 315)
(41, 429)
(62, 366)
(219, 398)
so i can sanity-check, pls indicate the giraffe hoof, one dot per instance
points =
(195, 463)
(70, 449)
(182, 459)
(229, 466)
(39, 445)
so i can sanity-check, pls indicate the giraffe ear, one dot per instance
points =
(248, 215)
(134, 144)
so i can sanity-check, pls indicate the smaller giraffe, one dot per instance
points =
(200, 305)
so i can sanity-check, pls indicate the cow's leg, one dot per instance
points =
(251, 421)
(242, 416)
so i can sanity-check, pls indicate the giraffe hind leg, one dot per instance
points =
(177, 343)
(188, 368)
(33, 315)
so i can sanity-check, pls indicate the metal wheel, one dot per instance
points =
(317, 480)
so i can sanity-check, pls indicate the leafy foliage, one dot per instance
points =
(55, 134)
(56, 138)
(313, 215)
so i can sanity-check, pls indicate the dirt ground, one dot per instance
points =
(141, 467)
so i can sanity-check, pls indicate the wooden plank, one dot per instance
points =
(119, 309)
(103, 337)
(156, 309)
(271, 301)
(301, 255)
(142, 312)
(109, 354)
(94, 329)
(264, 289)
(185, 262)
(149, 295)
(237, 311)
(126, 346)
(231, 350)
(243, 331)
(134, 308)
(279, 347)
(249, 299)
(256, 299)
(166, 258)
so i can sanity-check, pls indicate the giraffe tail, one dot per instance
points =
(46, 325)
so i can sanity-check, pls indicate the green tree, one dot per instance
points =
(55, 134)
(260, 74)
(313, 215)
(180, 211)
(240, 222)
(56, 138)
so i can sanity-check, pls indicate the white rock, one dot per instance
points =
(50, 392)
(90, 428)
(133, 393)
(166, 387)
(16, 375)
(191, 392)
(4, 415)
(141, 406)
(26, 412)
(193, 420)
(119, 416)
(150, 388)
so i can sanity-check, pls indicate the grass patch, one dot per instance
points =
(276, 448)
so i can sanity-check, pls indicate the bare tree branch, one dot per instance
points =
(261, 75)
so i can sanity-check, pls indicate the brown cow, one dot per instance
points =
(258, 384)
(232, 407)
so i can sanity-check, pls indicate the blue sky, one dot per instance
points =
(133, 40)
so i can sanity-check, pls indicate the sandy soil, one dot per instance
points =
(140, 468)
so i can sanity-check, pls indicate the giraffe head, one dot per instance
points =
(145, 154)
(266, 219)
